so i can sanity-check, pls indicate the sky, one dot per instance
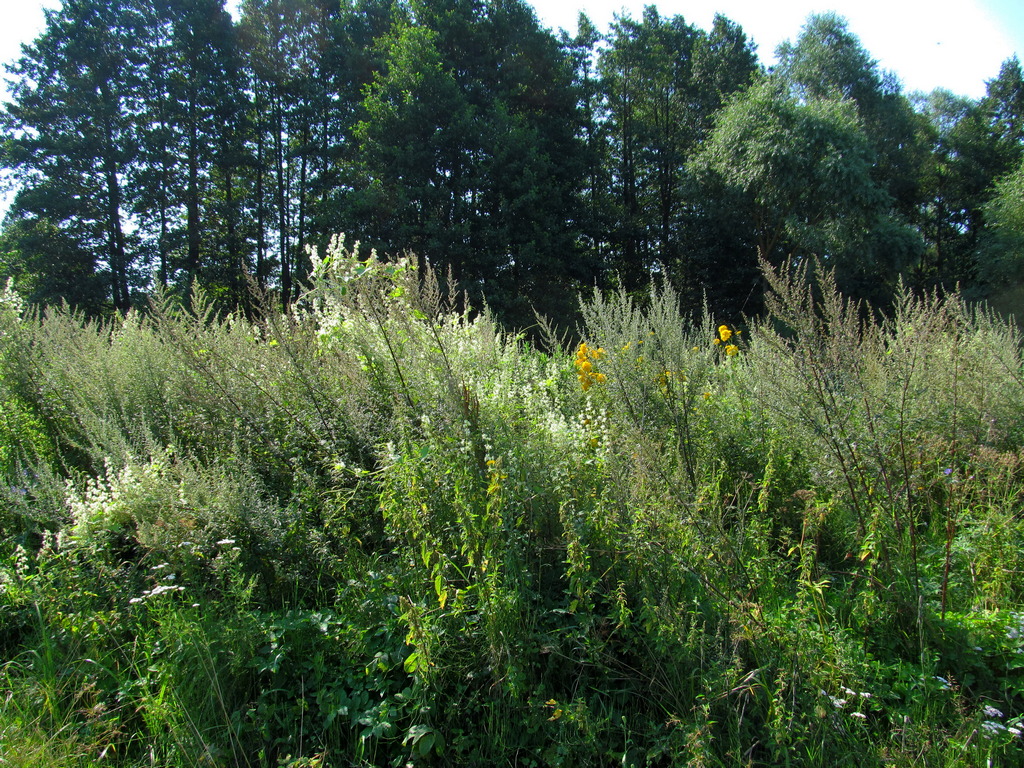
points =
(928, 44)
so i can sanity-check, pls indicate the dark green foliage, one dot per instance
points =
(211, 153)
(468, 155)
(662, 82)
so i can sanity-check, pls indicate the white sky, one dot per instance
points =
(953, 44)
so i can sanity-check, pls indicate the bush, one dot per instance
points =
(379, 529)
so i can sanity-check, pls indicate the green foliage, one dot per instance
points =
(157, 146)
(1003, 264)
(799, 175)
(377, 530)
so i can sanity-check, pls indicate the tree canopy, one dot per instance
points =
(159, 144)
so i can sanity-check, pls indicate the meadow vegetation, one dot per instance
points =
(380, 531)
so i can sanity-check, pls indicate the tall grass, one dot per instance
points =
(380, 530)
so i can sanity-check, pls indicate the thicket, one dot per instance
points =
(377, 530)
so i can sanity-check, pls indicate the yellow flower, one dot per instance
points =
(585, 368)
(724, 333)
(731, 350)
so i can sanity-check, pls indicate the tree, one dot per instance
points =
(965, 158)
(829, 62)
(1004, 103)
(724, 62)
(1004, 243)
(596, 203)
(73, 141)
(469, 153)
(185, 195)
(126, 138)
(663, 80)
(798, 177)
(49, 265)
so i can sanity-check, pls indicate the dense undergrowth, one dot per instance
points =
(379, 531)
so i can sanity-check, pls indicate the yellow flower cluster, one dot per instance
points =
(585, 359)
(665, 378)
(724, 334)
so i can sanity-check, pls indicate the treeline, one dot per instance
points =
(159, 144)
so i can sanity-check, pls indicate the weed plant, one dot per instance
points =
(380, 530)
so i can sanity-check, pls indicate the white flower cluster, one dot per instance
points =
(993, 726)
(118, 498)
(162, 588)
(859, 697)
(11, 300)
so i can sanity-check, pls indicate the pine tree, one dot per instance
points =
(73, 143)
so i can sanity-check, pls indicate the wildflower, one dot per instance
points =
(991, 728)
(724, 333)
(732, 350)
(584, 362)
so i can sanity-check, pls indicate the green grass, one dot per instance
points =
(381, 531)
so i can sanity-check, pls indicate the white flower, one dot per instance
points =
(991, 728)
